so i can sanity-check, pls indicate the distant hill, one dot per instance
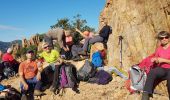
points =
(5, 45)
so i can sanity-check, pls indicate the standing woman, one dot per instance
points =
(161, 69)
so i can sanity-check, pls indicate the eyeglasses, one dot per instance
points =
(161, 38)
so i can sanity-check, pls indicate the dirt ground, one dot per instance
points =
(115, 90)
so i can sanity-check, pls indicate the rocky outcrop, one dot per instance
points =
(138, 21)
(34, 40)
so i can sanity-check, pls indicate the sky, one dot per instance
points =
(23, 18)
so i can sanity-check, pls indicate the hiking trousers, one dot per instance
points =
(93, 40)
(47, 75)
(55, 83)
(33, 84)
(75, 49)
(156, 74)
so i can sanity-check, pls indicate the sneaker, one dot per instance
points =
(38, 93)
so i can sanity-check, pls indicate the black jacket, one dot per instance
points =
(105, 31)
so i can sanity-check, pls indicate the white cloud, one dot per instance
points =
(6, 27)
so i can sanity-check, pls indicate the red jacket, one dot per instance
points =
(147, 64)
(7, 57)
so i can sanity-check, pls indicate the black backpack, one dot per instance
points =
(86, 71)
(8, 71)
(65, 54)
(11, 94)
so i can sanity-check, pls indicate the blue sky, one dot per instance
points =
(23, 18)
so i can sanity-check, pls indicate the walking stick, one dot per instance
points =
(120, 43)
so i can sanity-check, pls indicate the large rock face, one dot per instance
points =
(138, 21)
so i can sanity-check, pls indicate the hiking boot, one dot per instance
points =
(82, 53)
(145, 96)
(38, 93)
(76, 90)
(57, 91)
(53, 89)
(23, 97)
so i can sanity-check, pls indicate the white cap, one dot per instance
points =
(9, 50)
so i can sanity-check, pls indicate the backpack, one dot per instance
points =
(97, 59)
(101, 77)
(62, 77)
(68, 76)
(65, 54)
(10, 93)
(8, 71)
(86, 71)
(71, 74)
(137, 79)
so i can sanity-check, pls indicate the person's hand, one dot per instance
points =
(25, 86)
(39, 64)
(155, 60)
(38, 76)
(161, 60)
(59, 61)
(67, 48)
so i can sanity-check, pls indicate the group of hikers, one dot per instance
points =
(38, 74)
(42, 71)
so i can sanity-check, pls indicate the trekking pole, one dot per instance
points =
(120, 43)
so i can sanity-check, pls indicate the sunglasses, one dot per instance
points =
(161, 38)
(31, 52)
(46, 47)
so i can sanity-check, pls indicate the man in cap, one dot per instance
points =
(30, 75)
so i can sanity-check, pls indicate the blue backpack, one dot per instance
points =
(97, 60)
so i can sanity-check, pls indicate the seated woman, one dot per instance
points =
(161, 70)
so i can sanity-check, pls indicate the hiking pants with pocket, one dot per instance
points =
(75, 49)
(156, 74)
(93, 40)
